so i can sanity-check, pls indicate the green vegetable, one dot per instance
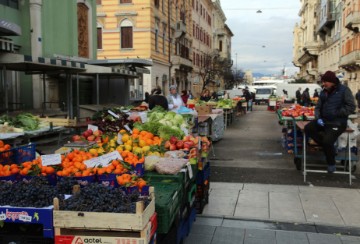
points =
(165, 132)
(26, 121)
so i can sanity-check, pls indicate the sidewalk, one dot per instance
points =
(259, 213)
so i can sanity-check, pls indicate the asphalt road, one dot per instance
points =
(251, 152)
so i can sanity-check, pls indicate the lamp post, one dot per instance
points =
(236, 77)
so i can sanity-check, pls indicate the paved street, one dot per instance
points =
(257, 195)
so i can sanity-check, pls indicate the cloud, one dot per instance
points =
(273, 29)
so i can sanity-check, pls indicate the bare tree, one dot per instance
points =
(215, 68)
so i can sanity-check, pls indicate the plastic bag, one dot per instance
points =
(343, 138)
(150, 162)
(174, 154)
(170, 166)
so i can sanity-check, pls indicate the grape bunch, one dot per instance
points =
(100, 198)
(34, 193)
(65, 185)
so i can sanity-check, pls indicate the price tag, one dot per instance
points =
(143, 117)
(188, 165)
(51, 159)
(103, 160)
(118, 140)
(199, 144)
(93, 127)
(128, 129)
(2, 217)
(25, 218)
(113, 114)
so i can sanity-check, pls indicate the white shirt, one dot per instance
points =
(175, 101)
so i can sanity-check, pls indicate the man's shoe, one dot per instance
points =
(331, 168)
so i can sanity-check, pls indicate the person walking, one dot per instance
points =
(174, 99)
(336, 102)
(305, 97)
(357, 97)
(298, 96)
(158, 99)
(316, 94)
(248, 98)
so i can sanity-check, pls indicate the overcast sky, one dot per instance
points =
(263, 41)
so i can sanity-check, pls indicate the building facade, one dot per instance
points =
(306, 41)
(35, 33)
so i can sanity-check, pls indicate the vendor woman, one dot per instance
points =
(174, 99)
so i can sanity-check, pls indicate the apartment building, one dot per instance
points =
(350, 43)
(150, 36)
(306, 41)
(329, 31)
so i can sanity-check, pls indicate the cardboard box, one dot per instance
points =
(203, 109)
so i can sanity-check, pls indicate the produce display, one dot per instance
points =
(19, 123)
(297, 110)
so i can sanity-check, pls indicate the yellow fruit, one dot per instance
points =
(112, 149)
(145, 148)
(129, 142)
(120, 148)
(142, 143)
(122, 132)
(125, 138)
(156, 154)
(128, 147)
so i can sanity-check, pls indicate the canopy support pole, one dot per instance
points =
(5, 89)
(77, 96)
(71, 111)
(97, 90)
(44, 95)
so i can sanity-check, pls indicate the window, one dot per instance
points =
(164, 40)
(157, 3)
(10, 3)
(220, 46)
(99, 37)
(98, 2)
(125, 1)
(156, 37)
(126, 32)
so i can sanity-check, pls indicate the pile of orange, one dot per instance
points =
(115, 167)
(128, 180)
(8, 170)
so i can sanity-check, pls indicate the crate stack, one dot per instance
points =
(175, 197)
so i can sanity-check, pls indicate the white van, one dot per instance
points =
(263, 93)
(292, 88)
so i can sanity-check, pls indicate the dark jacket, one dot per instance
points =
(159, 100)
(247, 95)
(205, 98)
(306, 97)
(335, 107)
(298, 95)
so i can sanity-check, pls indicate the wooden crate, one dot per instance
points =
(74, 236)
(59, 121)
(105, 221)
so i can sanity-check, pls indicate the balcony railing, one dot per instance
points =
(351, 58)
(328, 18)
(352, 21)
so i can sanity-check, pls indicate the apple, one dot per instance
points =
(188, 144)
(97, 133)
(91, 138)
(186, 138)
(167, 145)
(180, 144)
(172, 147)
(76, 138)
(98, 139)
(173, 140)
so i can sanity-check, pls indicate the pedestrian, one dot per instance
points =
(316, 94)
(190, 95)
(298, 96)
(158, 99)
(214, 95)
(205, 95)
(147, 96)
(226, 95)
(357, 96)
(174, 99)
(335, 104)
(248, 98)
(184, 96)
(285, 93)
(305, 97)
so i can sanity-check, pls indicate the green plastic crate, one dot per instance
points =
(168, 197)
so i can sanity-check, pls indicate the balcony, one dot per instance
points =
(220, 32)
(350, 61)
(328, 15)
(181, 62)
(180, 29)
(352, 21)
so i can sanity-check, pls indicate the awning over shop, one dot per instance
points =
(29, 64)
(9, 29)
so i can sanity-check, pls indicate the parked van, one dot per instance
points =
(232, 93)
(292, 88)
(263, 93)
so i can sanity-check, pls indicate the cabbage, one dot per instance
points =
(179, 119)
(170, 115)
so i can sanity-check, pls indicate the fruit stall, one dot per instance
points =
(142, 175)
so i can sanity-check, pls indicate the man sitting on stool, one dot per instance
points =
(335, 104)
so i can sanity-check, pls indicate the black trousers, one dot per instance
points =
(326, 137)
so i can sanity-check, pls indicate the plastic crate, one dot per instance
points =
(203, 175)
(18, 155)
(167, 204)
(154, 177)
